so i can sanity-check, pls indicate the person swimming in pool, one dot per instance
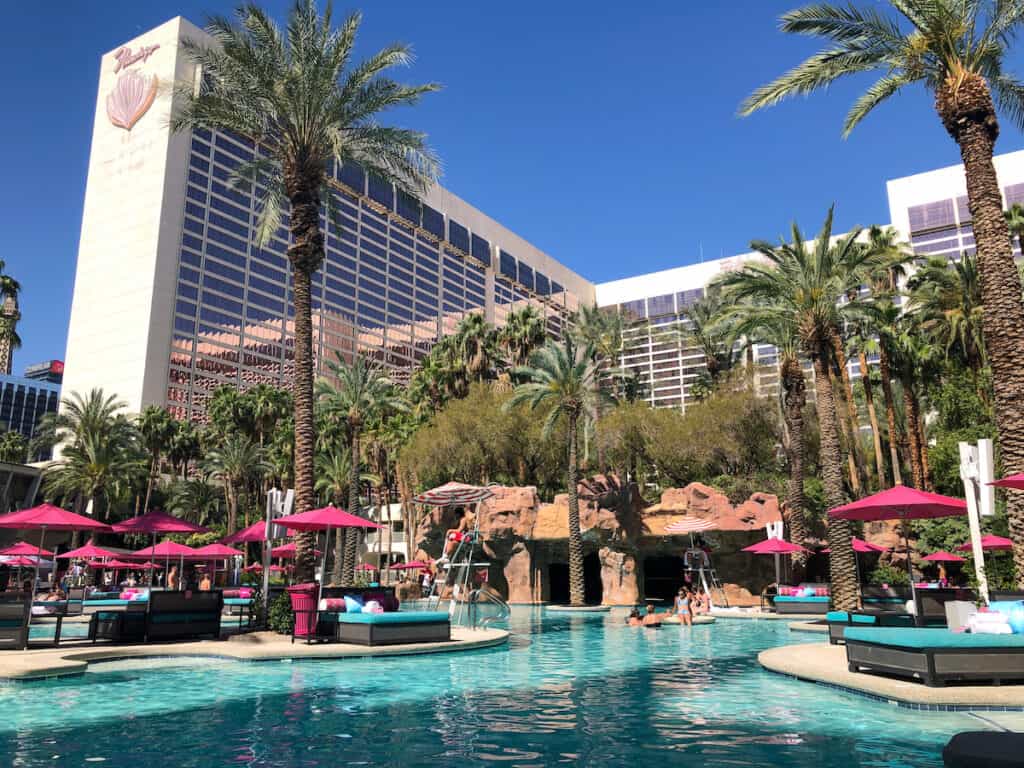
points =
(651, 619)
(634, 619)
(682, 606)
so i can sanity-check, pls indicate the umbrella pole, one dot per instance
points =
(323, 567)
(35, 579)
(918, 619)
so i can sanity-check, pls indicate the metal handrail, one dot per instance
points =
(474, 598)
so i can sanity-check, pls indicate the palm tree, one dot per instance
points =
(562, 377)
(360, 392)
(477, 343)
(712, 337)
(863, 343)
(101, 456)
(801, 283)
(778, 329)
(947, 298)
(956, 49)
(184, 447)
(13, 447)
(1015, 223)
(883, 281)
(333, 478)
(300, 100)
(157, 429)
(195, 500)
(269, 405)
(9, 317)
(523, 332)
(233, 461)
(914, 356)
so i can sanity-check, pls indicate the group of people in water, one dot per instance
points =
(688, 603)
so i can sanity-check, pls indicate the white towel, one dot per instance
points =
(989, 624)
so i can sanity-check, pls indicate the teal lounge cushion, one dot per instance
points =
(809, 599)
(864, 618)
(898, 600)
(931, 638)
(238, 601)
(11, 623)
(840, 616)
(110, 603)
(396, 617)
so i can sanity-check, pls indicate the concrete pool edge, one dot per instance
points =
(254, 647)
(826, 665)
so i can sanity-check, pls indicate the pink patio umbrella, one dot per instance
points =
(19, 562)
(859, 547)
(48, 517)
(216, 552)
(89, 551)
(26, 549)
(255, 533)
(324, 519)
(942, 556)
(148, 566)
(412, 565)
(775, 547)
(990, 543)
(167, 550)
(1011, 481)
(154, 522)
(365, 567)
(902, 503)
(287, 551)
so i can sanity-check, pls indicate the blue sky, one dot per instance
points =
(607, 138)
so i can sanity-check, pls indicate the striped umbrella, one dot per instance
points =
(690, 525)
(453, 495)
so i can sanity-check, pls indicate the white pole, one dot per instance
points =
(969, 466)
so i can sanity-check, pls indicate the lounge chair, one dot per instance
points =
(393, 628)
(935, 656)
(166, 615)
(15, 610)
(839, 621)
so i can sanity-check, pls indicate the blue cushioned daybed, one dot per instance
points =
(840, 621)
(240, 607)
(815, 604)
(165, 616)
(935, 656)
(390, 628)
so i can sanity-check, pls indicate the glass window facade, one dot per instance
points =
(397, 276)
(23, 402)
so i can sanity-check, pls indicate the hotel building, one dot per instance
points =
(173, 298)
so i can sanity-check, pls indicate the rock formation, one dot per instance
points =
(526, 541)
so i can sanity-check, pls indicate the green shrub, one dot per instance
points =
(888, 574)
(280, 619)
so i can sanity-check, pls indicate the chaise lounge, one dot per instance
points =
(15, 610)
(165, 616)
(839, 621)
(390, 628)
(811, 599)
(935, 656)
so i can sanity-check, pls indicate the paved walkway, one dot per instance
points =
(827, 664)
(255, 646)
(757, 613)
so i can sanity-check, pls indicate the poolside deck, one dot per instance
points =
(826, 664)
(74, 658)
(757, 613)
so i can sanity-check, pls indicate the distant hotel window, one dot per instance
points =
(931, 215)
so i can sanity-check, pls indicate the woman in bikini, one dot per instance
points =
(682, 605)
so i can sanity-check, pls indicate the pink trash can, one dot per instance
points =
(303, 599)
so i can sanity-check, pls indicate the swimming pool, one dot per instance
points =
(568, 689)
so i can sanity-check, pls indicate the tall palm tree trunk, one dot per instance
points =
(910, 412)
(857, 461)
(339, 541)
(842, 566)
(348, 563)
(846, 440)
(922, 440)
(969, 116)
(153, 474)
(869, 401)
(895, 439)
(577, 593)
(794, 400)
(305, 434)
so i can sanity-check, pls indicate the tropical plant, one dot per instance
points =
(233, 461)
(184, 447)
(157, 429)
(195, 500)
(947, 298)
(801, 283)
(523, 332)
(13, 447)
(1015, 223)
(709, 332)
(355, 393)
(915, 360)
(333, 478)
(562, 378)
(477, 344)
(297, 96)
(957, 50)
(269, 405)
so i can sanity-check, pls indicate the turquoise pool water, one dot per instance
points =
(569, 689)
